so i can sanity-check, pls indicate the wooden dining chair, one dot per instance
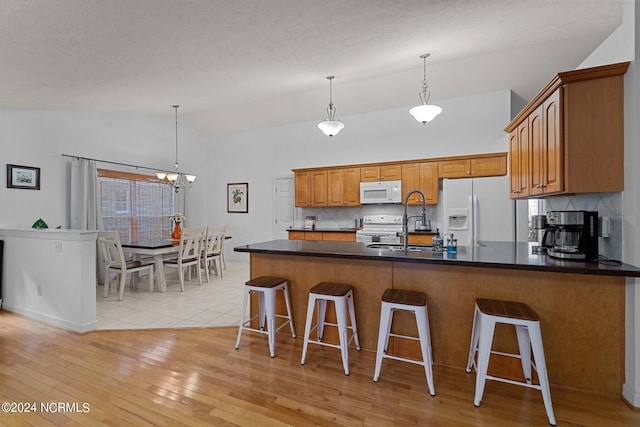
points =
(221, 229)
(212, 253)
(114, 260)
(189, 253)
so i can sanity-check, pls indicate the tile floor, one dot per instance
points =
(217, 303)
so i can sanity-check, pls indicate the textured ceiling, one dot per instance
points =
(242, 64)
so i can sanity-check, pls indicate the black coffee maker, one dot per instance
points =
(572, 235)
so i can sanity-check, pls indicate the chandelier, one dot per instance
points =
(176, 178)
(425, 112)
(330, 126)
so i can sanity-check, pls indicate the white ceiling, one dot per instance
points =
(243, 64)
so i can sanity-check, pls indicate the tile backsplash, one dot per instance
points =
(607, 204)
(340, 217)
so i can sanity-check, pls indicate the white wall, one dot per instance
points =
(624, 45)
(468, 125)
(39, 138)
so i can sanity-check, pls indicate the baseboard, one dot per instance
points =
(62, 323)
(631, 398)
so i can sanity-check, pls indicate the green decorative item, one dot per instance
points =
(40, 224)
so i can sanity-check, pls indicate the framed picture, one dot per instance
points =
(238, 197)
(24, 177)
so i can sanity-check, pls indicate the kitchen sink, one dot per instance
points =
(398, 247)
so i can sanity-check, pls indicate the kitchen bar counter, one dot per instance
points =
(581, 305)
(513, 256)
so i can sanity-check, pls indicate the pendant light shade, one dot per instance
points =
(176, 178)
(425, 112)
(330, 126)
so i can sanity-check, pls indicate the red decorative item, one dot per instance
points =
(177, 231)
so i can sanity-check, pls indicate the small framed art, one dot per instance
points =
(24, 177)
(238, 198)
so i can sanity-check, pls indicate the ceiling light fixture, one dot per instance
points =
(330, 126)
(425, 112)
(176, 178)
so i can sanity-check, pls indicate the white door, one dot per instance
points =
(283, 200)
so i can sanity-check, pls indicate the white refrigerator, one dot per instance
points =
(477, 210)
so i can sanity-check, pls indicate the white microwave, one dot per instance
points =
(381, 192)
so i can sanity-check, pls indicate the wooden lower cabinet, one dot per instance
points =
(420, 239)
(296, 235)
(335, 236)
(338, 236)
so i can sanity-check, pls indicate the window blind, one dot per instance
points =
(138, 206)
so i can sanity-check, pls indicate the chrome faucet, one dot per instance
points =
(405, 218)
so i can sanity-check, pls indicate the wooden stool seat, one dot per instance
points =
(330, 288)
(509, 309)
(265, 282)
(266, 287)
(401, 296)
(416, 303)
(488, 313)
(342, 296)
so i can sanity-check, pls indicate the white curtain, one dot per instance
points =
(85, 210)
(85, 196)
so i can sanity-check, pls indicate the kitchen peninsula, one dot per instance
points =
(581, 305)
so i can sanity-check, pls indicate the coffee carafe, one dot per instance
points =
(572, 235)
(540, 226)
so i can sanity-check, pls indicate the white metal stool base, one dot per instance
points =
(424, 336)
(266, 311)
(343, 303)
(529, 339)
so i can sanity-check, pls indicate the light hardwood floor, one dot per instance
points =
(191, 377)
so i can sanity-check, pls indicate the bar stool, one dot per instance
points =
(415, 302)
(527, 323)
(342, 296)
(266, 288)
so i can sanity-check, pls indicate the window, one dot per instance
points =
(138, 206)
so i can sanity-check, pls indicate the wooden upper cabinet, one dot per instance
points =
(519, 161)
(475, 167)
(340, 185)
(302, 184)
(545, 147)
(488, 166)
(429, 181)
(343, 187)
(391, 172)
(420, 176)
(458, 168)
(310, 188)
(575, 134)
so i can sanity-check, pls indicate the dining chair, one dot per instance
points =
(212, 253)
(189, 253)
(221, 229)
(114, 261)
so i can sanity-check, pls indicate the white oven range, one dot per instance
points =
(380, 228)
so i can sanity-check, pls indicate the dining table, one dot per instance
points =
(157, 248)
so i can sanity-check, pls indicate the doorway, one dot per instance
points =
(283, 210)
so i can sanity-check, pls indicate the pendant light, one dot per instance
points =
(330, 126)
(176, 178)
(425, 112)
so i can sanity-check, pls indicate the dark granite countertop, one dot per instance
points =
(513, 256)
(351, 230)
